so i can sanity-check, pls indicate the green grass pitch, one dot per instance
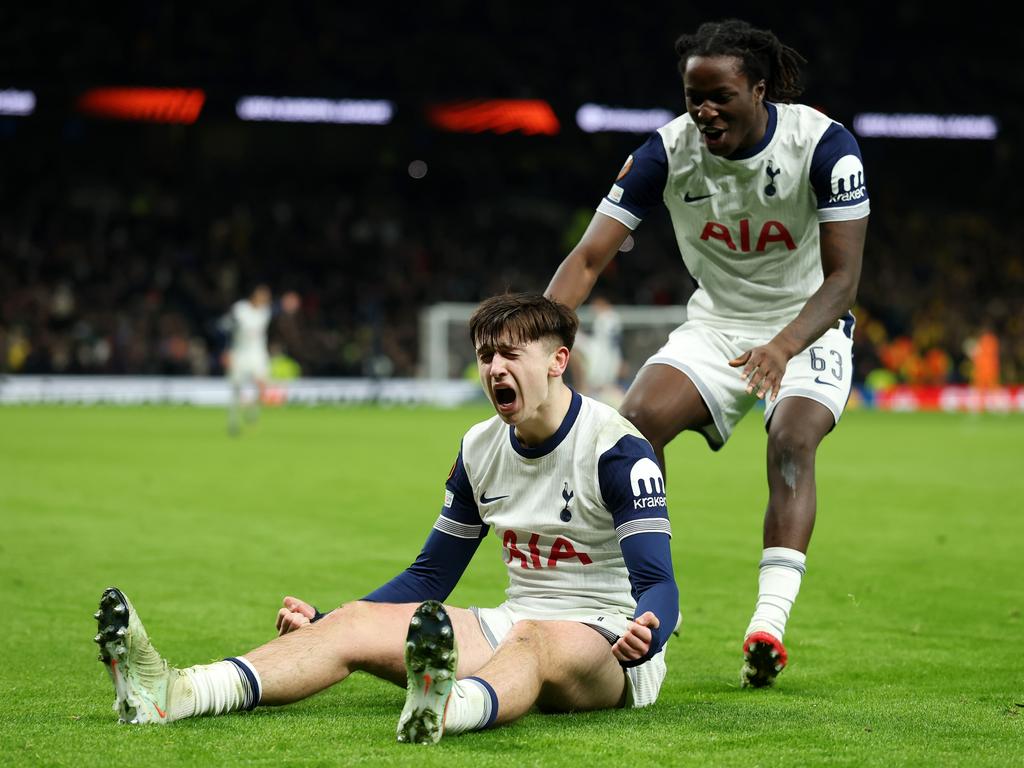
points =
(905, 643)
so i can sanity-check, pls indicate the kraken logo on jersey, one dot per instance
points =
(847, 180)
(648, 484)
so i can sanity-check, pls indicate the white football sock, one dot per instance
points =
(235, 407)
(473, 705)
(778, 585)
(213, 689)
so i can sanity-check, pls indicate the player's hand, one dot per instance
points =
(295, 615)
(637, 640)
(763, 369)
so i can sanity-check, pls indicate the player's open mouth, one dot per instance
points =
(713, 136)
(504, 397)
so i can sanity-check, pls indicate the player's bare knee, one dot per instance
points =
(526, 631)
(348, 614)
(531, 635)
(791, 446)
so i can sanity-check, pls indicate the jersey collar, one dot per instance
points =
(552, 442)
(769, 134)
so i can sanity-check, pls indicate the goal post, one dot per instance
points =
(445, 352)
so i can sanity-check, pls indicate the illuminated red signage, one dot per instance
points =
(528, 116)
(156, 105)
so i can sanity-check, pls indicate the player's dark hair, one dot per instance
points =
(251, 285)
(763, 55)
(520, 318)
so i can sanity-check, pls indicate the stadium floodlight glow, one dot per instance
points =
(17, 103)
(597, 118)
(527, 116)
(924, 126)
(314, 110)
(152, 105)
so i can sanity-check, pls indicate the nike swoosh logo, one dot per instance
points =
(688, 199)
(485, 500)
(818, 380)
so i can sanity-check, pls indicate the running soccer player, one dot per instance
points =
(599, 367)
(248, 358)
(770, 211)
(576, 498)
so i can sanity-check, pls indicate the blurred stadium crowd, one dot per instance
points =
(122, 245)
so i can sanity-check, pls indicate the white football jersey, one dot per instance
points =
(559, 509)
(249, 336)
(747, 225)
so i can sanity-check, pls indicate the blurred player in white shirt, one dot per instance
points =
(598, 362)
(248, 360)
(769, 206)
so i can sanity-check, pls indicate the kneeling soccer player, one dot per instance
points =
(576, 497)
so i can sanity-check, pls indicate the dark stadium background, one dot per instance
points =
(121, 243)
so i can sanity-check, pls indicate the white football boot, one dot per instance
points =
(430, 662)
(142, 679)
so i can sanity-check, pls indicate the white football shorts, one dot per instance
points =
(643, 682)
(823, 372)
(249, 366)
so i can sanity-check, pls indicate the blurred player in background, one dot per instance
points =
(576, 498)
(598, 360)
(770, 211)
(248, 361)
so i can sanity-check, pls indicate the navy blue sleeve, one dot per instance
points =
(633, 489)
(837, 174)
(433, 575)
(457, 534)
(640, 185)
(649, 560)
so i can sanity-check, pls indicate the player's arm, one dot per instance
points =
(649, 561)
(638, 188)
(578, 272)
(633, 489)
(842, 253)
(227, 323)
(432, 576)
(450, 546)
(842, 233)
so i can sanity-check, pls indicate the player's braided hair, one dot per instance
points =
(763, 55)
(520, 318)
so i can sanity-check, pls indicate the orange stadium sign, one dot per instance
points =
(155, 105)
(528, 116)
